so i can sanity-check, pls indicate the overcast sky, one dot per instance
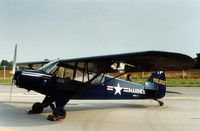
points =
(78, 28)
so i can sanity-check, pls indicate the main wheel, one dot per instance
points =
(60, 112)
(37, 108)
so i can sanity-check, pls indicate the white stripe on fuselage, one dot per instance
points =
(34, 74)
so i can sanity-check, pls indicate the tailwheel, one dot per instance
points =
(58, 114)
(36, 108)
(161, 103)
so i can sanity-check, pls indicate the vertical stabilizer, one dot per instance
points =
(155, 86)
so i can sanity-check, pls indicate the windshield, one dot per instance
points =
(47, 68)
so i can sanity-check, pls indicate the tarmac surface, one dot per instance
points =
(181, 112)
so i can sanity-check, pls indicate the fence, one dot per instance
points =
(189, 74)
(7, 74)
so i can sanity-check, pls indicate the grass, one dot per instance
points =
(6, 81)
(170, 82)
(183, 82)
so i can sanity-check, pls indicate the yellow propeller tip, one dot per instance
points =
(11, 72)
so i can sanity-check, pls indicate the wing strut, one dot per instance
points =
(107, 67)
(75, 67)
(85, 70)
(114, 77)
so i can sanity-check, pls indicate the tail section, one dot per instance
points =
(155, 86)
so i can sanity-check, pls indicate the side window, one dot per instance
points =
(63, 72)
(60, 72)
(99, 79)
(78, 76)
(68, 73)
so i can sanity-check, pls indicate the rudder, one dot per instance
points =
(155, 86)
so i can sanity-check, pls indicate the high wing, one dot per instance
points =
(32, 65)
(128, 62)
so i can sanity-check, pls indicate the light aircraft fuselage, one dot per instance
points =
(85, 78)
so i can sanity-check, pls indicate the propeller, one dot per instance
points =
(13, 71)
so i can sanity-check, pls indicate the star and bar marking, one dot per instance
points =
(119, 89)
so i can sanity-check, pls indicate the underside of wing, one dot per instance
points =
(128, 62)
(32, 65)
(131, 62)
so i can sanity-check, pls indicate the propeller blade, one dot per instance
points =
(14, 60)
(13, 71)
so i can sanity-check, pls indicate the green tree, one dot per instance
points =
(7, 64)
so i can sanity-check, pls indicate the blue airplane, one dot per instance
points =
(85, 78)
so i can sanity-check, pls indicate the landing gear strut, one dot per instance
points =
(58, 110)
(38, 107)
(161, 103)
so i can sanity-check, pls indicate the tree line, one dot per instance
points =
(6, 63)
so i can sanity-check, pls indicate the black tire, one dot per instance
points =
(37, 108)
(161, 103)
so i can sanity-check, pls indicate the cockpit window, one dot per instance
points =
(49, 66)
(68, 71)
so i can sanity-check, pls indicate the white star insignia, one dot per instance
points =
(118, 89)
